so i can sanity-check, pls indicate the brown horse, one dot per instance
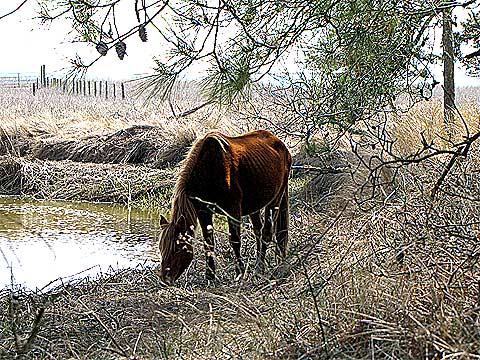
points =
(232, 176)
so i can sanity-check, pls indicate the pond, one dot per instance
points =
(43, 241)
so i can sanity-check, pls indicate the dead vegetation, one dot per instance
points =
(397, 281)
(140, 144)
(68, 180)
(376, 268)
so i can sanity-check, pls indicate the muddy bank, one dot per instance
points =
(141, 144)
(69, 180)
(121, 167)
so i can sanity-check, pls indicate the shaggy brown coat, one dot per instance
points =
(232, 176)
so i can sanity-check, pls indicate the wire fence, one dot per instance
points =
(16, 80)
(81, 87)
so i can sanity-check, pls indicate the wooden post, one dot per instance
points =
(44, 76)
(106, 90)
(18, 79)
(89, 92)
(84, 83)
(37, 83)
(123, 91)
(100, 90)
(95, 88)
(114, 91)
(34, 88)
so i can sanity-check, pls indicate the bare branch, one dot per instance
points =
(15, 10)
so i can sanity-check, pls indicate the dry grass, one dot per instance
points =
(427, 119)
(55, 116)
(67, 180)
(395, 276)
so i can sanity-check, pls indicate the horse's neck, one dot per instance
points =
(184, 212)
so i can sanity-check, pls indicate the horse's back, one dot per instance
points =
(261, 163)
(255, 141)
(251, 170)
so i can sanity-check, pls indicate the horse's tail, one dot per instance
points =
(282, 224)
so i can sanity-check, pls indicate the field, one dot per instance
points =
(377, 266)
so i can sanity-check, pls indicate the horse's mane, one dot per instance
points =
(182, 205)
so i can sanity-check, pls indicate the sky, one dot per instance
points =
(25, 45)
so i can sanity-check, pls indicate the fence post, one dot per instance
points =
(18, 79)
(44, 76)
(100, 90)
(89, 93)
(123, 91)
(95, 88)
(34, 89)
(114, 91)
(106, 90)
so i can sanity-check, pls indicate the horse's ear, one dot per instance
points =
(163, 221)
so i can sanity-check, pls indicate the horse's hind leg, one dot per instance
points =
(206, 223)
(257, 224)
(234, 228)
(267, 234)
(282, 226)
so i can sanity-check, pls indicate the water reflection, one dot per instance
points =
(42, 241)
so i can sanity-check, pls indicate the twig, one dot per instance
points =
(15, 10)
(463, 151)
(35, 329)
(23, 348)
(322, 170)
(107, 330)
(196, 108)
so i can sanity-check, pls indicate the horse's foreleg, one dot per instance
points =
(206, 223)
(267, 233)
(235, 242)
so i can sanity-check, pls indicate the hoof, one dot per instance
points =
(210, 276)
(282, 271)
(240, 269)
(259, 268)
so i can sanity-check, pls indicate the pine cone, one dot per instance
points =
(142, 32)
(102, 48)
(121, 49)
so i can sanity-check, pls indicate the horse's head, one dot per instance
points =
(175, 249)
